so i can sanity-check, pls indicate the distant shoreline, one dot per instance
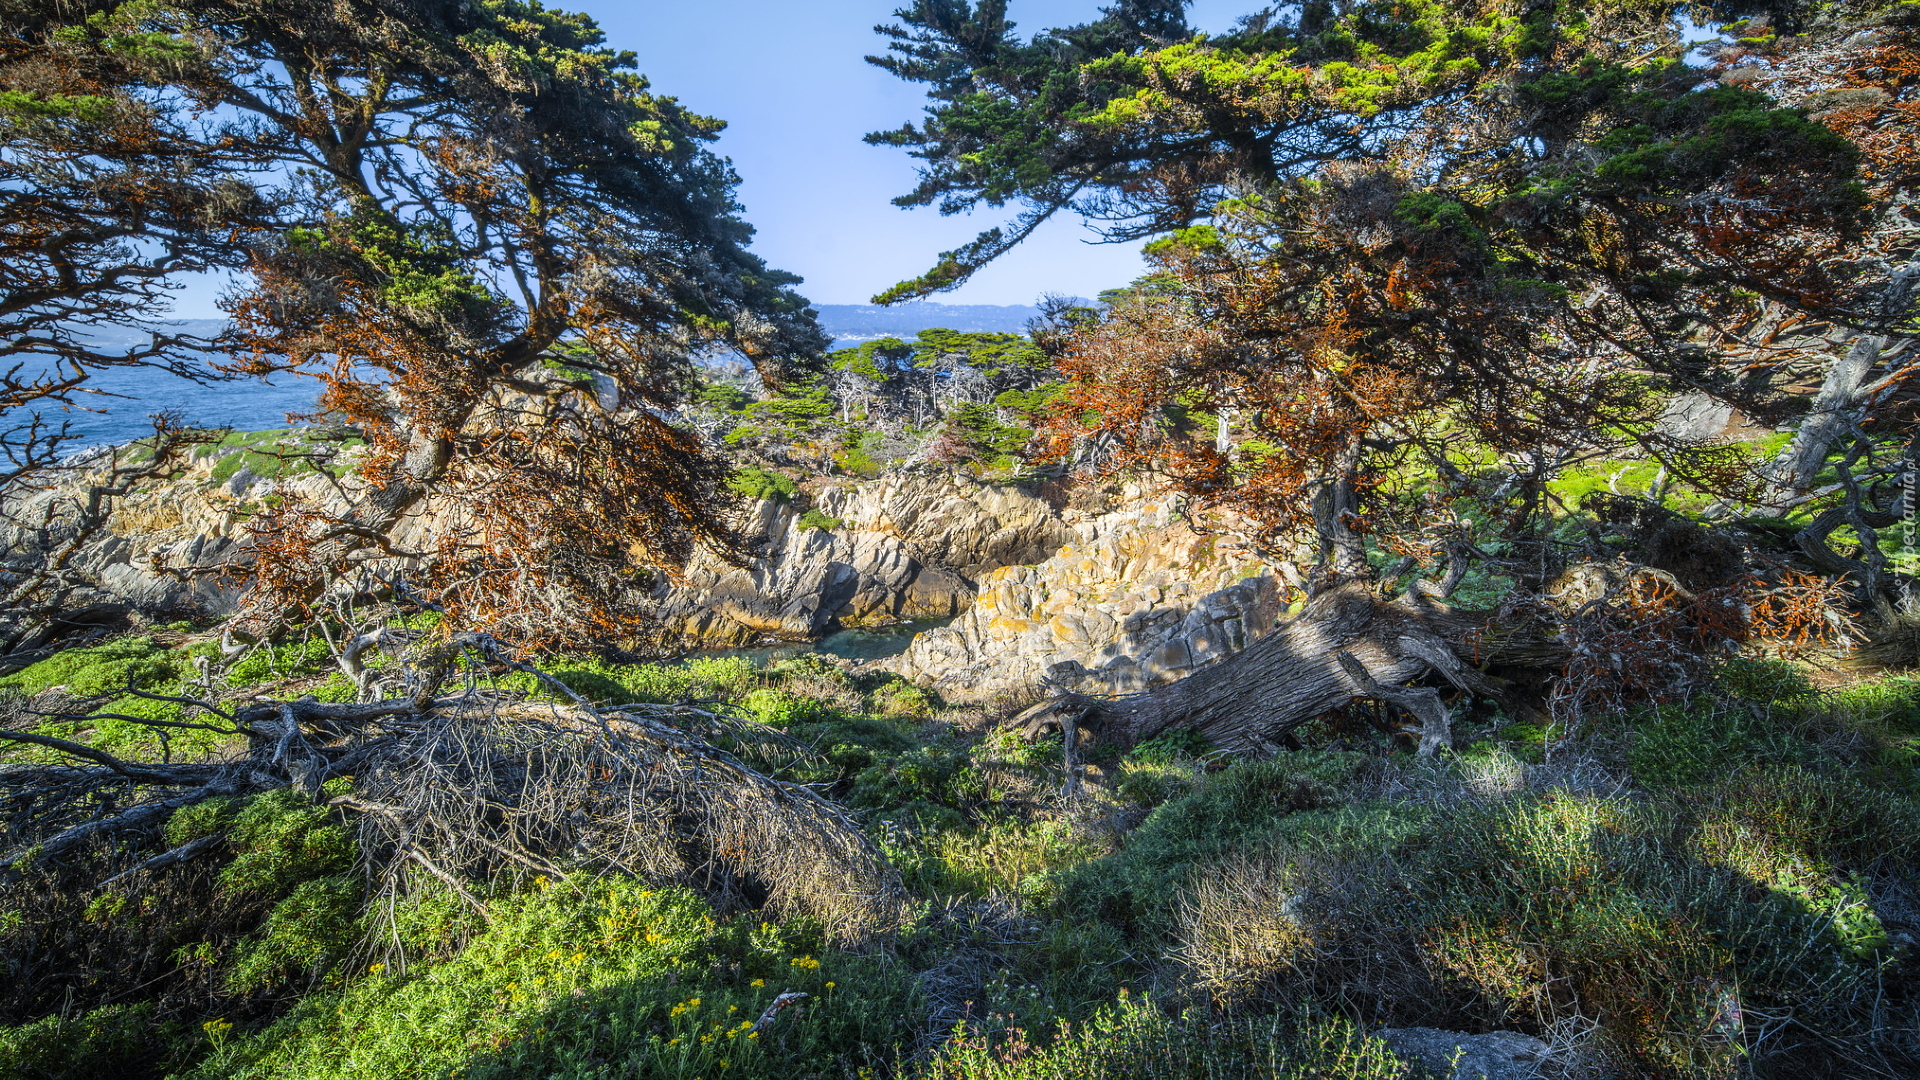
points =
(132, 394)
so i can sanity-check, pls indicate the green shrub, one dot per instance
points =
(844, 746)
(1010, 857)
(923, 774)
(1764, 682)
(613, 979)
(1703, 740)
(1666, 923)
(100, 670)
(316, 924)
(780, 708)
(1133, 1040)
(856, 461)
(286, 660)
(203, 818)
(903, 700)
(281, 839)
(1010, 745)
(815, 519)
(606, 682)
(1234, 810)
(115, 1040)
(104, 672)
(1149, 784)
(1171, 747)
(753, 483)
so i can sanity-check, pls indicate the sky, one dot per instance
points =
(789, 78)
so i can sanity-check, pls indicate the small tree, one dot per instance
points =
(499, 252)
(110, 188)
(1436, 238)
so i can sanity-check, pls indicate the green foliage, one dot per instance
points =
(1148, 784)
(1010, 857)
(1664, 917)
(203, 818)
(1235, 810)
(101, 674)
(846, 746)
(1133, 1040)
(282, 839)
(99, 670)
(815, 519)
(83, 108)
(1011, 745)
(878, 360)
(722, 397)
(599, 679)
(274, 453)
(1169, 748)
(308, 656)
(758, 484)
(613, 977)
(1431, 213)
(934, 774)
(780, 708)
(898, 699)
(1702, 741)
(314, 925)
(802, 411)
(114, 1040)
(1763, 682)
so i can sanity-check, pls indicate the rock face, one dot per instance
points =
(904, 547)
(1133, 596)
(197, 519)
(1497, 1055)
(1138, 598)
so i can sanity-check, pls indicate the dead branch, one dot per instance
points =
(1423, 703)
(457, 789)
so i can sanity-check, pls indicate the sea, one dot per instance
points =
(120, 400)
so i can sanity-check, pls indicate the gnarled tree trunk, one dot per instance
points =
(1249, 701)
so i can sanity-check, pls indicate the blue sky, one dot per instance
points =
(789, 79)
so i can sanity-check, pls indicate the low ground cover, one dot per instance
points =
(1716, 887)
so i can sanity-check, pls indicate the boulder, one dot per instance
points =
(1455, 1055)
(912, 546)
(1139, 598)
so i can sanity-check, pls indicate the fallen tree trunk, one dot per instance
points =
(1347, 644)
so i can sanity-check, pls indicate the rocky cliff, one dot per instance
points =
(1123, 595)
(900, 547)
(1138, 598)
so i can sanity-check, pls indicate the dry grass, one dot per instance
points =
(1259, 918)
(471, 792)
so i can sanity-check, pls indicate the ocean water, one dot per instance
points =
(124, 398)
(118, 410)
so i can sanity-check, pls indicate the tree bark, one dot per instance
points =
(1252, 699)
(1837, 409)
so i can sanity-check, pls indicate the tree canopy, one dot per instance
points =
(494, 243)
(1406, 237)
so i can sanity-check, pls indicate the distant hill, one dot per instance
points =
(125, 336)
